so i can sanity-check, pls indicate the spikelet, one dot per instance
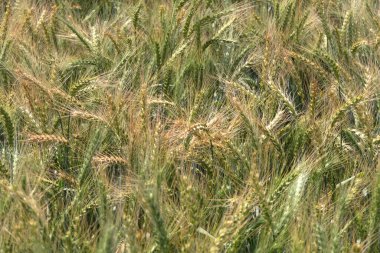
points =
(92, 146)
(197, 30)
(161, 233)
(265, 67)
(36, 82)
(80, 85)
(156, 143)
(358, 44)
(197, 105)
(30, 117)
(198, 127)
(5, 50)
(245, 117)
(333, 65)
(374, 215)
(320, 239)
(194, 130)
(373, 16)
(294, 198)
(287, 17)
(281, 188)
(325, 23)
(46, 32)
(61, 93)
(313, 99)
(113, 40)
(211, 18)
(298, 82)
(218, 33)
(272, 138)
(230, 234)
(357, 247)
(241, 87)
(301, 24)
(226, 232)
(315, 67)
(186, 26)
(41, 138)
(81, 37)
(158, 54)
(180, 4)
(86, 115)
(136, 16)
(208, 3)
(27, 25)
(85, 209)
(95, 42)
(8, 125)
(166, 45)
(376, 140)
(237, 66)
(144, 110)
(276, 7)
(53, 26)
(41, 20)
(168, 79)
(123, 61)
(338, 40)
(5, 23)
(282, 96)
(278, 118)
(237, 152)
(342, 110)
(108, 159)
(344, 30)
(179, 50)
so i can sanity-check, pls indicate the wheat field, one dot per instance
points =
(189, 126)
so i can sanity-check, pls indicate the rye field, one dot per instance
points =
(221, 126)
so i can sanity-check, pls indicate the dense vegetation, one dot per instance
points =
(190, 126)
